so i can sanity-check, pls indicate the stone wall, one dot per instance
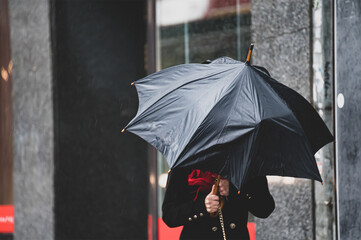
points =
(282, 34)
(33, 119)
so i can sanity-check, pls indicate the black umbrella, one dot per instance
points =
(230, 118)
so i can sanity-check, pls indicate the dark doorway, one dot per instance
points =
(6, 125)
(101, 175)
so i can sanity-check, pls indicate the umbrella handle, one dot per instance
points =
(249, 54)
(215, 192)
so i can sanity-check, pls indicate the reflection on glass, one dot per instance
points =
(193, 31)
(162, 180)
(4, 74)
(279, 179)
(10, 67)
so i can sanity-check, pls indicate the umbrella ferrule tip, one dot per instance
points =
(249, 54)
(123, 129)
(132, 83)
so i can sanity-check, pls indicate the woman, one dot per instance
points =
(189, 202)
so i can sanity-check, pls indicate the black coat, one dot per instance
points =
(180, 209)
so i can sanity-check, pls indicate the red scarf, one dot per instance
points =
(202, 180)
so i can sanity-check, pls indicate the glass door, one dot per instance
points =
(191, 32)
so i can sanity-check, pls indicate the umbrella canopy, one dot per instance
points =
(229, 118)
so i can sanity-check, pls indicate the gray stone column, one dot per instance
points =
(282, 36)
(33, 119)
(347, 45)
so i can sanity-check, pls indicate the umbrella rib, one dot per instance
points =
(229, 114)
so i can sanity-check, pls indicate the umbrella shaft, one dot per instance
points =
(249, 54)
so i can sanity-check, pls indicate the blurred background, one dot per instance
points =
(67, 172)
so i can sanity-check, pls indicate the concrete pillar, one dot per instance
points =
(348, 122)
(33, 119)
(282, 36)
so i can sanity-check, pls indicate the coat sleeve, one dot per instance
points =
(259, 200)
(178, 206)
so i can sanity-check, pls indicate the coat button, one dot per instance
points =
(232, 226)
(214, 229)
(189, 219)
(195, 216)
(201, 214)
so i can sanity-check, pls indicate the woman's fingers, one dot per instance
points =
(212, 209)
(224, 187)
(213, 198)
(211, 202)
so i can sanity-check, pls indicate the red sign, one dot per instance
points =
(251, 230)
(6, 218)
(167, 233)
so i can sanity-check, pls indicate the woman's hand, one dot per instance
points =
(212, 202)
(224, 187)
